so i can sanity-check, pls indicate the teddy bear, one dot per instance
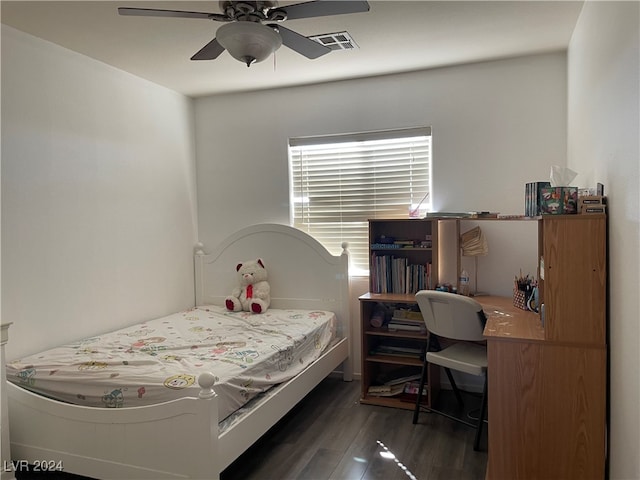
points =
(254, 293)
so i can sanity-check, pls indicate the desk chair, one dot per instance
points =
(460, 318)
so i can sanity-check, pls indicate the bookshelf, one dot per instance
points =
(406, 255)
(401, 255)
(381, 364)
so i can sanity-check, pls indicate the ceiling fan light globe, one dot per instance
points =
(248, 42)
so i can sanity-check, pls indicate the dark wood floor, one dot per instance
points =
(329, 435)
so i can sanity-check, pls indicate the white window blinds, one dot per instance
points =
(339, 182)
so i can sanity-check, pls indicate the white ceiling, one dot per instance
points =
(394, 36)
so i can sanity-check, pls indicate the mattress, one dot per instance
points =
(160, 360)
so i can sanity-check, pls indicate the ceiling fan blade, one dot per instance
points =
(322, 8)
(210, 51)
(155, 12)
(301, 44)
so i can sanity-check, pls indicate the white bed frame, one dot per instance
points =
(180, 438)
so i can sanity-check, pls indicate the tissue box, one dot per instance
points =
(559, 200)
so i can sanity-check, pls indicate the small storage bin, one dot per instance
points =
(520, 299)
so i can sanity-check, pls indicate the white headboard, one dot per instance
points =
(302, 273)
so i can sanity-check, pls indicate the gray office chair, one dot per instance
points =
(460, 318)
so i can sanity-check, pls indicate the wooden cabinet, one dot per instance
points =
(573, 255)
(405, 256)
(548, 381)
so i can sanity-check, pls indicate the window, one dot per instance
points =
(339, 182)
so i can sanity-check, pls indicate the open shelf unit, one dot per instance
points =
(377, 367)
(406, 255)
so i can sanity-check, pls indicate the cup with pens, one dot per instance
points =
(525, 292)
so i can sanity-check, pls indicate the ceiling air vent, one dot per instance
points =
(335, 41)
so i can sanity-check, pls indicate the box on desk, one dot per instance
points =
(559, 200)
(592, 204)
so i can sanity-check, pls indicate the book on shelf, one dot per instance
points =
(393, 274)
(407, 324)
(403, 327)
(406, 321)
(407, 315)
(533, 197)
(397, 351)
(384, 246)
(409, 385)
(405, 243)
(385, 390)
(403, 379)
(484, 214)
(379, 388)
(397, 375)
(448, 215)
(473, 214)
(401, 243)
(413, 387)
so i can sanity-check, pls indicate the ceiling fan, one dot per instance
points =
(248, 34)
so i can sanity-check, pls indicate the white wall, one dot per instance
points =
(496, 126)
(98, 196)
(603, 145)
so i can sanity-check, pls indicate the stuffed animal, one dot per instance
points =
(253, 294)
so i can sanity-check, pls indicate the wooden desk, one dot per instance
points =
(546, 400)
(505, 321)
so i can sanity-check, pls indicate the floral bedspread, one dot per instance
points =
(160, 360)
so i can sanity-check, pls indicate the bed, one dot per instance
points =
(185, 437)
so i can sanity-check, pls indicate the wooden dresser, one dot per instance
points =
(548, 379)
